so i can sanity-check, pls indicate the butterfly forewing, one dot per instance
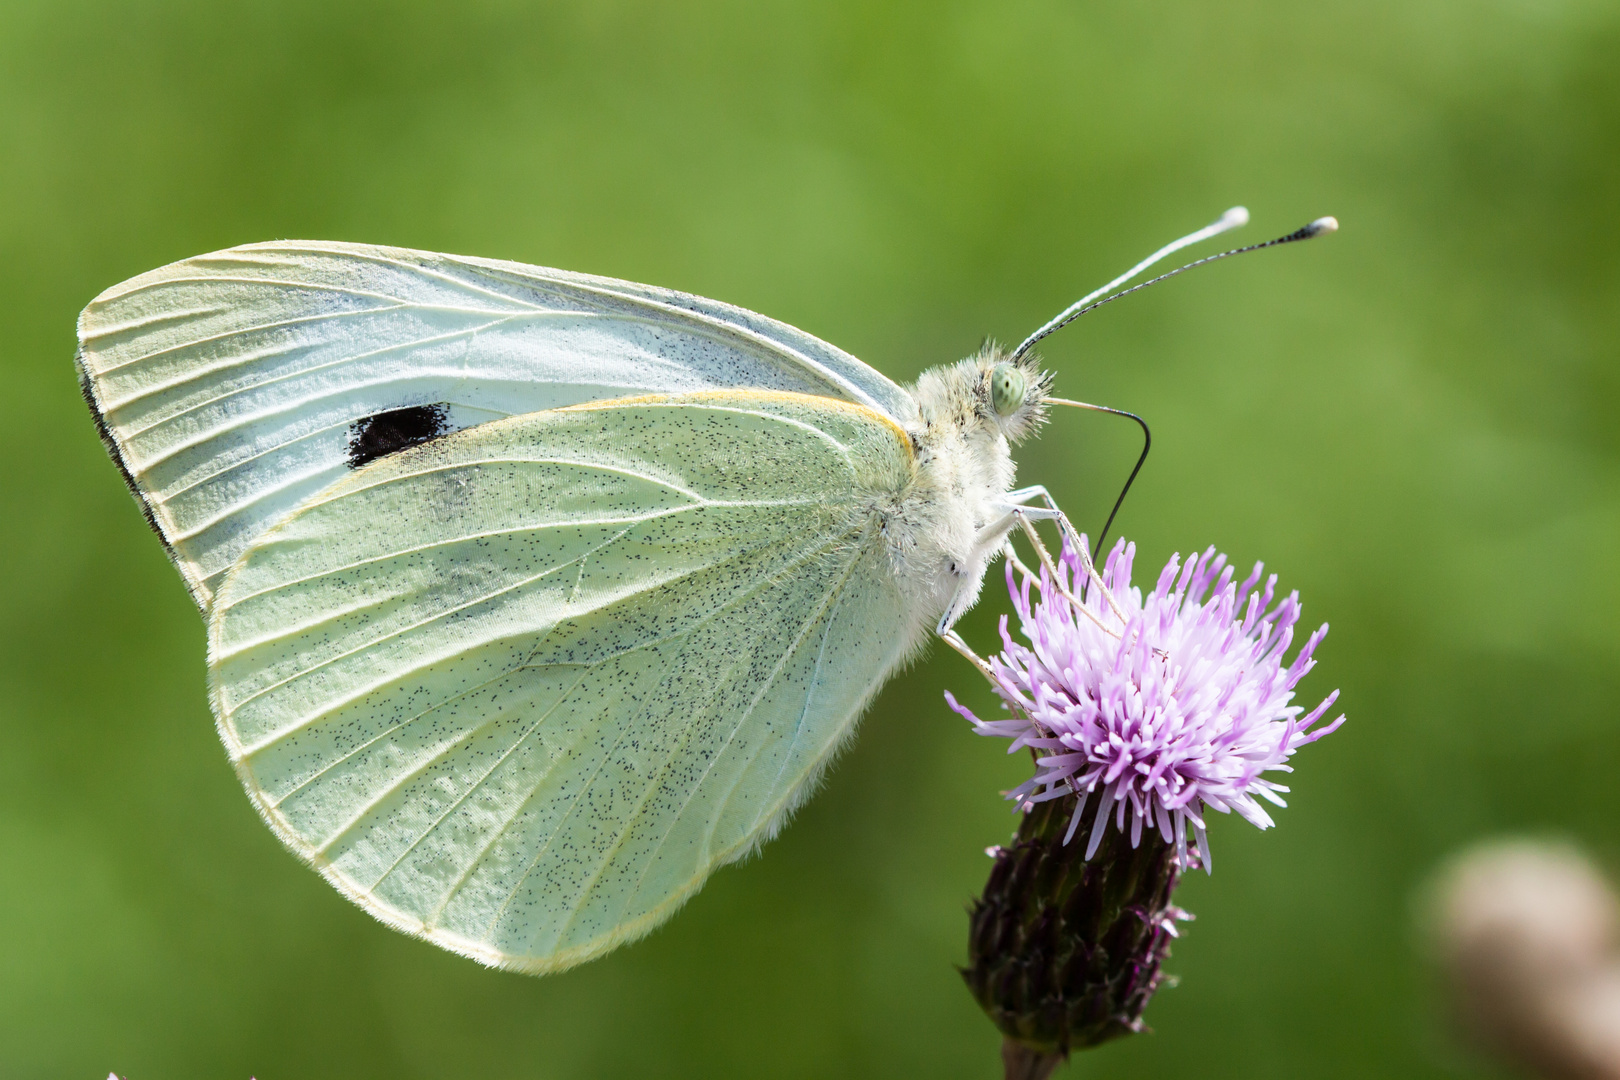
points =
(520, 689)
(233, 386)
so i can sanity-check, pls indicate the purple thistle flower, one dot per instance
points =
(1162, 708)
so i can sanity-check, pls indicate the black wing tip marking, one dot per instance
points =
(87, 387)
(385, 433)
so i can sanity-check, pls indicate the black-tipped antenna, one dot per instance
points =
(1147, 444)
(1232, 218)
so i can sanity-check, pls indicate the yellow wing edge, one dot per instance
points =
(743, 396)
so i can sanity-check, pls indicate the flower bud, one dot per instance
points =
(1064, 952)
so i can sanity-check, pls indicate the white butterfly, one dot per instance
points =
(533, 597)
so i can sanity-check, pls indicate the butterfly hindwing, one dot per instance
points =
(521, 688)
(232, 386)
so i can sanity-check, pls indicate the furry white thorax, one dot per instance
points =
(936, 530)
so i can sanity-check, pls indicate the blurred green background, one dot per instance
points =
(1414, 421)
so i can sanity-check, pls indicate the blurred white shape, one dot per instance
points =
(1529, 935)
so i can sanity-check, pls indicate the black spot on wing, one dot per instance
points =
(387, 432)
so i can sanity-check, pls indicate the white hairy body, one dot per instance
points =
(964, 472)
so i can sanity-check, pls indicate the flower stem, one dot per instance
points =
(1020, 1062)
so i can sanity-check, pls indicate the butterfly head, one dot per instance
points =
(1011, 392)
(990, 394)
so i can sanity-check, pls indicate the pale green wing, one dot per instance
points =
(232, 386)
(520, 689)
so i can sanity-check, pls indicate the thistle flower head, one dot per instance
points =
(1162, 707)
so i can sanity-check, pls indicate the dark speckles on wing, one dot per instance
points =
(387, 432)
(531, 714)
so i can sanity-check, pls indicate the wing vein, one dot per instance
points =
(575, 802)
(481, 598)
(394, 785)
(540, 527)
(835, 592)
(360, 692)
(419, 269)
(473, 788)
(228, 279)
(226, 335)
(401, 346)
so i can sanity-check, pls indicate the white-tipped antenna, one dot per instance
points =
(1231, 219)
(1234, 218)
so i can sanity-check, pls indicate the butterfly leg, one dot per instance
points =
(991, 540)
(954, 640)
(1021, 496)
(995, 536)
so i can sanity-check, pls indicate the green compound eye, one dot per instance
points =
(1006, 389)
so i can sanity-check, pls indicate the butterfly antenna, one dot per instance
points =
(1230, 220)
(1147, 444)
